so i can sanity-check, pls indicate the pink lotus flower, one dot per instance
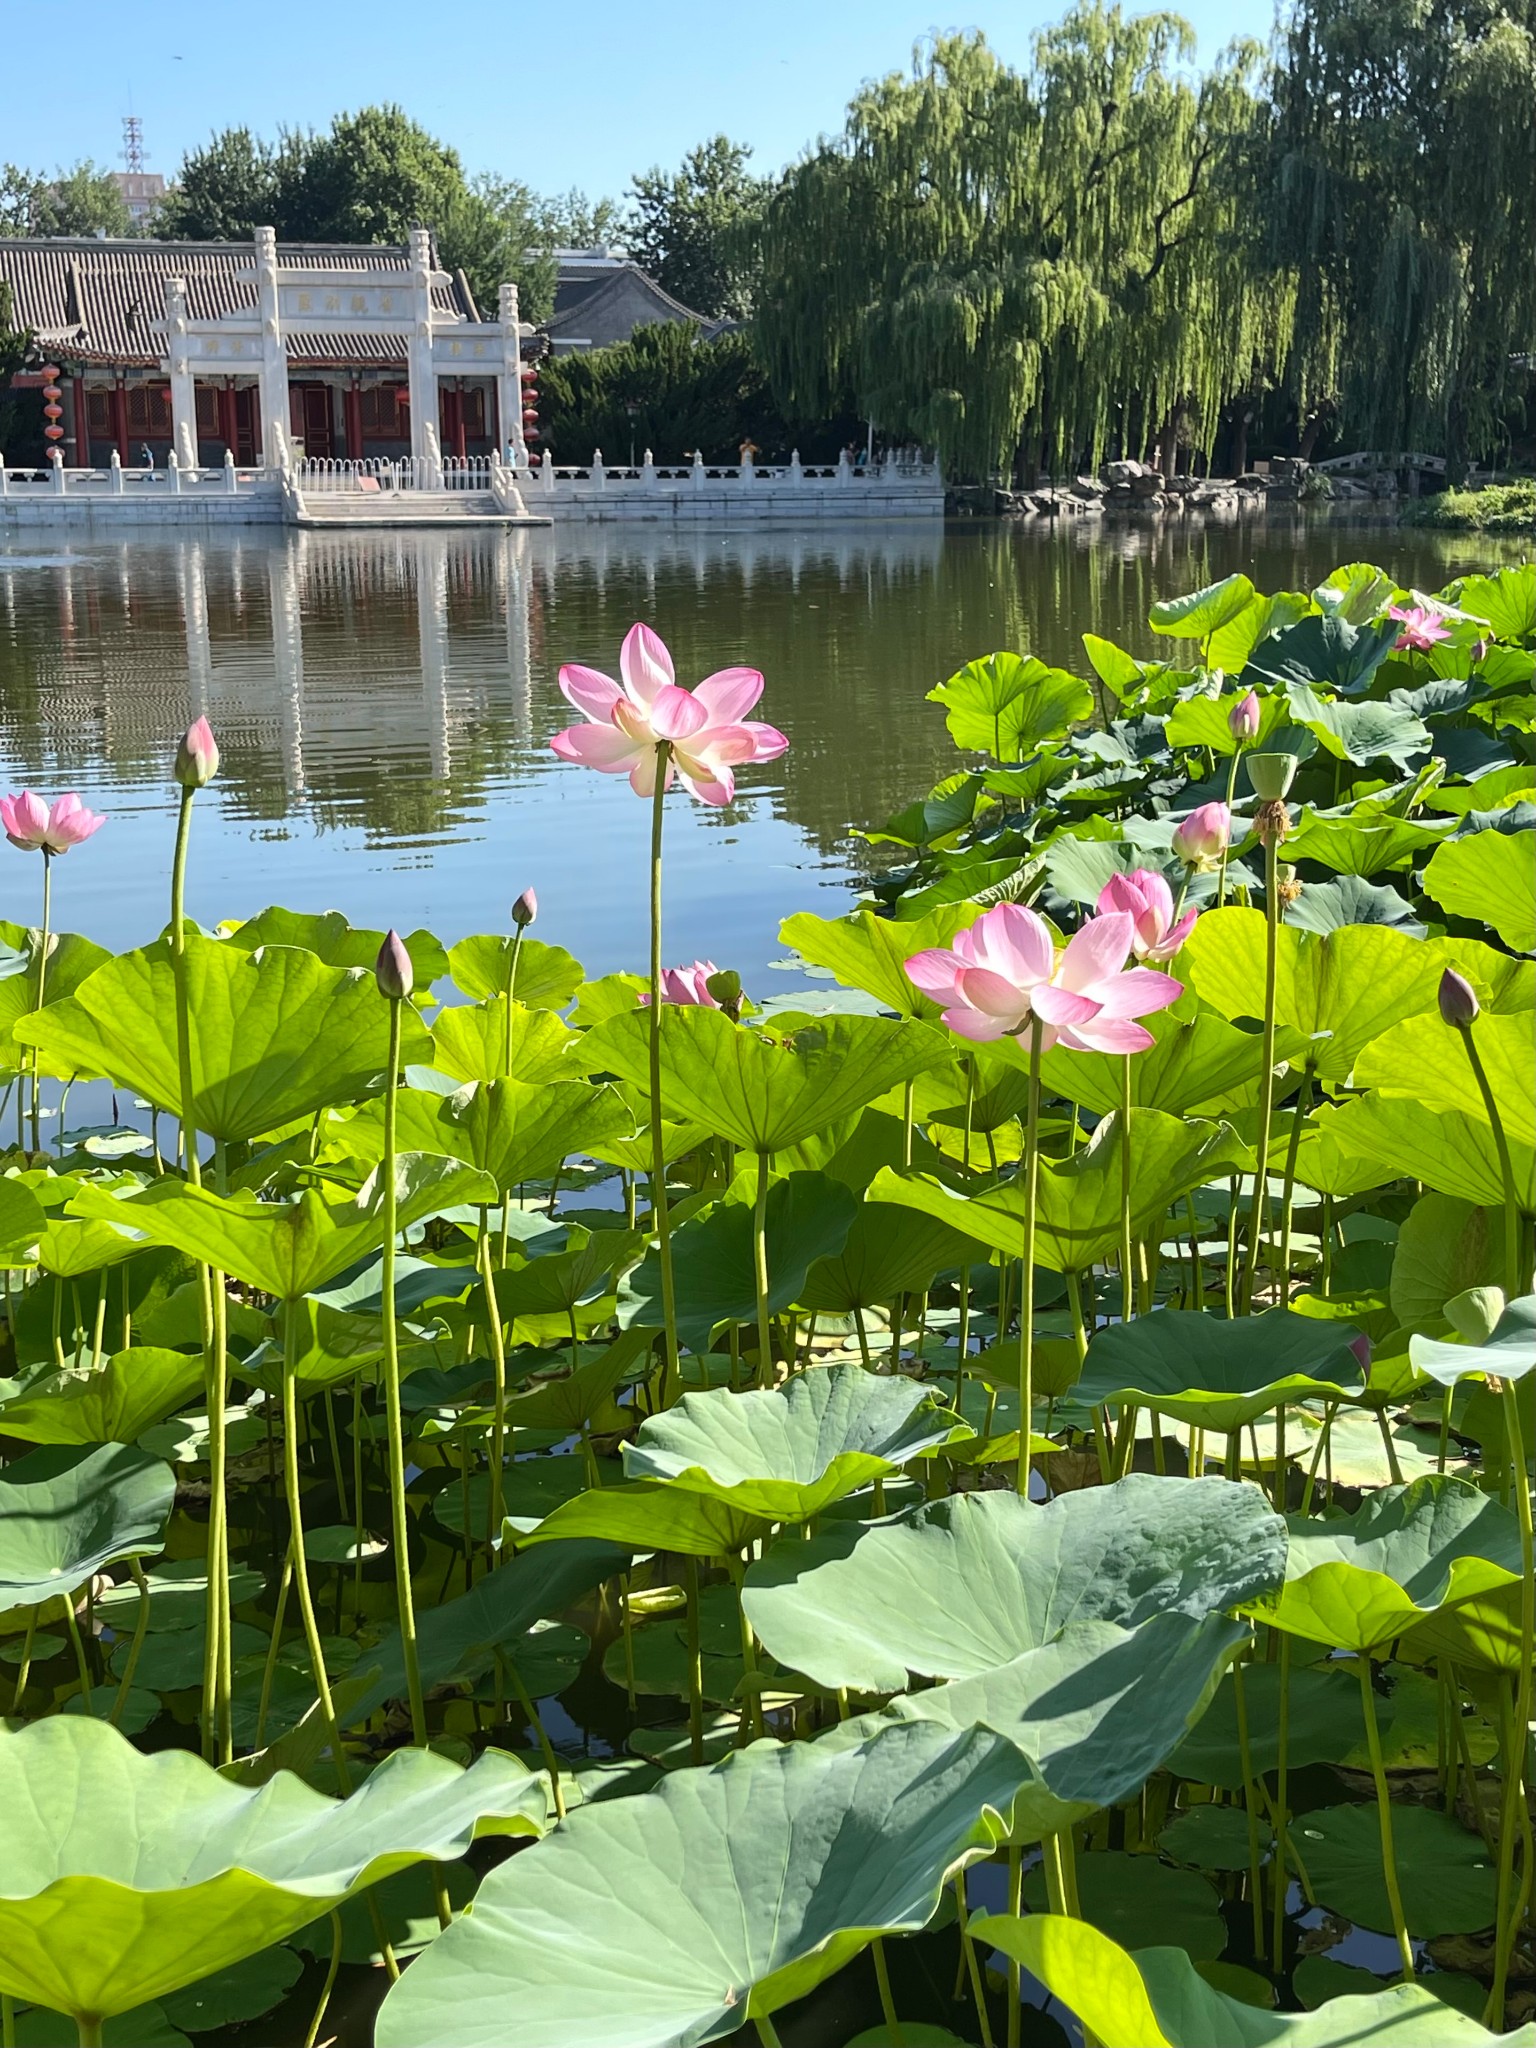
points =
(1004, 973)
(705, 730)
(1422, 628)
(29, 823)
(1244, 718)
(1204, 835)
(687, 985)
(1148, 901)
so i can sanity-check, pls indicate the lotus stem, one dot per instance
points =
(24, 1668)
(88, 2030)
(399, 1518)
(273, 1643)
(1510, 1915)
(140, 1626)
(1259, 1211)
(73, 1626)
(695, 1663)
(767, 2033)
(1514, 1274)
(1127, 1277)
(887, 2002)
(7, 2020)
(1384, 1815)
(516, 948)
(499, 1412)
(971, 1964)
(42, 974)
(1015, 1907)
(1250, 1808)
(330, 1982)
(529, 1706)
(670, 1371)
(296, 1539)
(760, 1274)
(1282, 1763)
(1055, 1876)
(1221, 877)
(1027, 1273)
(1292, 1150)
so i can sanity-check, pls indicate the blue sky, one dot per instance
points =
(563, 95)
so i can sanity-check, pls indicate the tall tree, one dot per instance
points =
(235, 183)
(83, 200)
(1028, 265)
(696, 230)
(1404, 203)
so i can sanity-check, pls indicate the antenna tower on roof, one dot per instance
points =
(133, 144)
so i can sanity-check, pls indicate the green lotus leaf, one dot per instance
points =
(288, 1248)
(556, 1283)
(1509, 1353)
(95, 1919)
(245, 1991)
(789, 1454)
(71, 959)
(1158, 1999)
(671, 1917)
(72, 1247)
(760, 1093)
(1328, 906)
(547, 976)
(1356, 591)
(1137, 1900)
(1006, 705)
(1448, 1151)
(1208, 1838)
(571, 1403)
(66, 1514)
(178, 1596)
(1426, 1062)
(1352, 984)
(471, 1043)
(1093, 1713)
(946, 810)
(1444, 1247)
(23, 1222)
(960, 1585)
(330, 938)
(1330, 651)
(147, 2026)
(1201, 1369)
(515, 1131)
(1361, 845)
(274, 1035)
(1361, 731)
(1202, 721)
(1198, 1062)
(889, 1252)
(1357, 1581)
(1078, 1220)
(807, 1216)
(1200, 612)
(1501, 983)
(114, 1404)
(647, 1516)
(1446, 1875)
(868, 952)
(1506, 599)
(459, 1640)
(1489, 876)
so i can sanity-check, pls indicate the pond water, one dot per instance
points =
(384, 705)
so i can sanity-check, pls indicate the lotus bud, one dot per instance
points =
(1270, 775)
(525, 910)
(197, 758)
(725, 987)
(1458, 999)
(392, 970)
(1474, 1313)
(1243, 719)
(1204, 836)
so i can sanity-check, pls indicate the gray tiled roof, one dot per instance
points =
(98, 301)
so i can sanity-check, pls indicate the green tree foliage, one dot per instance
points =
(1405, 182)
(20, 412)
(667, 390)
(696, 229)
(82, 200)
(1038, 263)
(235, 183)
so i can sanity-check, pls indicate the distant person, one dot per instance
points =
(748, 452)
(147, 456)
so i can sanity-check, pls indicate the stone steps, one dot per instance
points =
(403, 508)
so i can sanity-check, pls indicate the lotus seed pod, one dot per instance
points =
(1270, 775)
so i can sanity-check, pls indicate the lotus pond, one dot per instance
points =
(984, 1499)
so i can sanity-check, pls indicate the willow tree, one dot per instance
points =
(1028, 265)
(1405, 204)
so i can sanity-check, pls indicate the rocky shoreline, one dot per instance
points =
(1138, 490)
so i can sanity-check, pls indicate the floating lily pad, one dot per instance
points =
(244, 1991)
(1137, 1901)
(147, 2026)
(1448, 1880)
(406, 1905)
(1219, 1375)
(178, 1595)
(66, 1514)
(172, 1659)
(1210, 1838)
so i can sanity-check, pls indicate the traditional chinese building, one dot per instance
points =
(202, 347)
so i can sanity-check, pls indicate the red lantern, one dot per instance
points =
(531, 434)
(49, 373)
(52, 433)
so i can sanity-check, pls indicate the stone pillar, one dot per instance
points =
(509, 381)
(419, 369)
(273, 387)
(183, 388)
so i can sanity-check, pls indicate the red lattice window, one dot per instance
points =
(149, 410)
(98, 414)
(385, 417)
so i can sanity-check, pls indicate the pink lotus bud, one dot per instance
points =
(1204, 836)
(1243, 719)
(197, 758)
(1361, 1347)
(1458, 999)
(392, 970)
(525, 909)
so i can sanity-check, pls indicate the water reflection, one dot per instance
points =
(384, 701)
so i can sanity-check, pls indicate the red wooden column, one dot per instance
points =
(352, 408)
(82, 424)
(229, 431)
(120, 420)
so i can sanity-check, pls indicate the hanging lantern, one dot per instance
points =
(532, 434)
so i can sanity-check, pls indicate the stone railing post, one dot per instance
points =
(699, 478)
(56, 457)
(599, 474)
(117, 474)
(174, 469)
(648, 472)
(231, 479)
(547, 473)
(844, 468)
(5, 481)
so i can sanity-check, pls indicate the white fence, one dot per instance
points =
(226, 479)
(385, 473)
